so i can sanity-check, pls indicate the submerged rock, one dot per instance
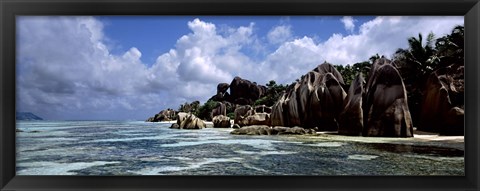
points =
(266, 130)
(253, 130)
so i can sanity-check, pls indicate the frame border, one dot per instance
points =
(11, 8)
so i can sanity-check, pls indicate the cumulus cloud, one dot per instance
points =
(64, 65)
(66, 71)
(279, 34)
(348, 23)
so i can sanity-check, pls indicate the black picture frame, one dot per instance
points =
(9, 9)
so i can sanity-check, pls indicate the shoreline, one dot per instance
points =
(420, 138)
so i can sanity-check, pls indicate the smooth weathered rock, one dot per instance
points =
(189, 121)
(351, 118)
(386, 112)
(443, 102)
(181, 117)
(241, 112)
(244, 92)
(329, 68)
(253, 130)
(316, 100)
(221, 109)
(222, 88)
(376, 64)
(221, 121)
(258, 119)
(277, 117)
(330, 96)
(175, 126)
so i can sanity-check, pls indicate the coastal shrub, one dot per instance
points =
(204, 111)
(273, 93)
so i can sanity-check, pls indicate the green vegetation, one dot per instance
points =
(205, 110)
(189, 107)
(274, 91)
(350, 72)
(418, 61)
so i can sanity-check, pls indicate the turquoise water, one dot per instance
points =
(141, 148)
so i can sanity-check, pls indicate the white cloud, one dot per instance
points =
(279, 34)
(348, 23)
(65, 70)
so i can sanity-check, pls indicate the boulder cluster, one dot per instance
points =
(242, 92)
(443, 108)
(164, 115)
(317, 101)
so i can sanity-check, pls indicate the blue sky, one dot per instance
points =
(131, 67)
(154, 35)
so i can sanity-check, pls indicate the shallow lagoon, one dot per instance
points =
(141, 148)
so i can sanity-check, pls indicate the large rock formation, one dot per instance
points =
(221, 109)
(222, 94)
(316, 100)
(221, 121)
(188, 121)
(386, 110)
(351, 118)
(164, 115)
(244, 92)
(241, 112)
(442, 108)
(328, 68)
(222, 88)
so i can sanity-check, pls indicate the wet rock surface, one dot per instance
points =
(266, 130)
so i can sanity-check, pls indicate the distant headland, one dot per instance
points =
(27, 116)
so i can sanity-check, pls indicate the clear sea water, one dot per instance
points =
(142, 148)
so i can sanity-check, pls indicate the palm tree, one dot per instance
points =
(415, 64)
(450, 48)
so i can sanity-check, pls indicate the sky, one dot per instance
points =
(132, 67)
